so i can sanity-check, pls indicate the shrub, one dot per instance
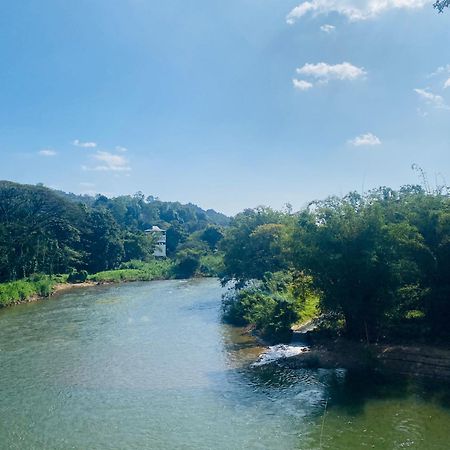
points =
(23, 290)
(211, 265)
(136, 271)
(186, 264)
(273, 305)
(77, 277)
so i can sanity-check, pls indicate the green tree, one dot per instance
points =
(212, 235)
(187, 264)
(102, 242)
(253, 244)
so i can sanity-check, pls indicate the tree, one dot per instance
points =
(186, 264)
(253, 244)
(212, 235)
(441, 4)
(363, 253)
(102, 242)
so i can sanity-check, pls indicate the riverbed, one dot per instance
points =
(151, 366)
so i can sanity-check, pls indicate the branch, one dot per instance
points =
(441, 4)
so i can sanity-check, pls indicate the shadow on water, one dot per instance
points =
(352, 392)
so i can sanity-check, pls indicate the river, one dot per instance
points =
(151, 366)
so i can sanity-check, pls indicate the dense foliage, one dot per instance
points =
(50, 232)
(380, 262)
(273, 304)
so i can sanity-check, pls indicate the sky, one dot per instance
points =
(226, 104)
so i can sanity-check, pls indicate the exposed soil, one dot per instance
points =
(417, 360)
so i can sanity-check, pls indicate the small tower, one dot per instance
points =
(160, 241)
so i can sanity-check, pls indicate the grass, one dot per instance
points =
(135, 271)
(309, 309)
(22, 290)
(43, 285)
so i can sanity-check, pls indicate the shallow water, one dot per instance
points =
(150, 366)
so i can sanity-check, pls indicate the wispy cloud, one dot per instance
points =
(78, 143)
(367, 139)
(353, 10)
(434, 100)
(107, 161)
(47, 152)
(121, 149)
(322, 73)
(326, 72)
(441, 70)
(435, 94)
(327, 28)
(301, 85)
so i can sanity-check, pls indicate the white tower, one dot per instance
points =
(160, 241)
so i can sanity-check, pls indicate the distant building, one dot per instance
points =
(160, 241)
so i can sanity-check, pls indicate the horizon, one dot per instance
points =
(226, 106)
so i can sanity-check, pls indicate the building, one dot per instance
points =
(160, 241)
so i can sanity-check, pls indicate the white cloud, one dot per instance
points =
(78, 143)
(301, 85)
(440, 70)
(435, 100)
(353, 10)
(438, 81)
(368, 139)
(121, 149)
(47, 152)
(300, 11)
(109, 162)
(327, 28)
(325, 72)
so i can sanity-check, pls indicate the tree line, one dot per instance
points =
(51, 232)
(378, 263)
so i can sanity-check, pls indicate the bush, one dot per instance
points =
(77, 277)
(211, 265)
(271, 314)
(23, 290)
(273, 305)
(136, 271)
(186, 265)
(44, 288)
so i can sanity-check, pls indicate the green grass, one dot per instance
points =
(135, 271)
(43, 285)
(23, 290)
(309, 310)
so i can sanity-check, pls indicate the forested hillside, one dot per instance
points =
(51, 232)
(379, 265)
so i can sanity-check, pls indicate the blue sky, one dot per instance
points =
(227, 104)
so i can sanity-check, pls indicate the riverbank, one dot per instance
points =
(413, 360)
(38, 287)
(30, 295)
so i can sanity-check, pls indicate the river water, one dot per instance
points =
(150, 366)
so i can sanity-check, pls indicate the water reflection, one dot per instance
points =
(150, 365)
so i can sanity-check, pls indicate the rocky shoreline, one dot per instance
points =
(412, 360)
